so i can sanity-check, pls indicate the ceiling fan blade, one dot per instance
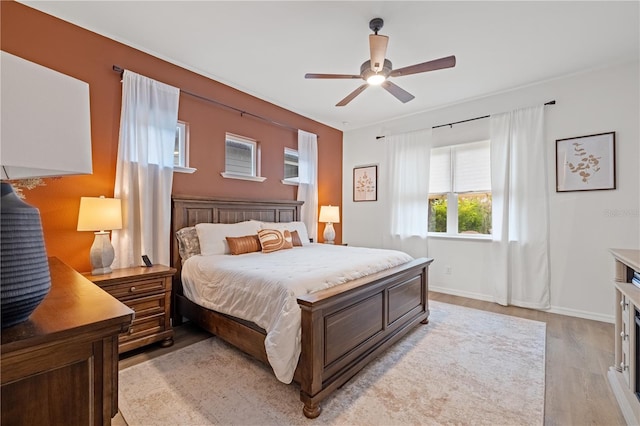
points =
(436, 64)
(352, 95)
(331, 76)
(378, 48)
(402, 95)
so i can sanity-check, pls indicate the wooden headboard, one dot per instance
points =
(191, 210)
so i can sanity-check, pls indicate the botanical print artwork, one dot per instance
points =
(365, 183)
(587, 165)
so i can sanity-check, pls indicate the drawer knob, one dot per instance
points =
(624, 335)
(623, 366)
(132, 289)
(131, 330)
(624, 304)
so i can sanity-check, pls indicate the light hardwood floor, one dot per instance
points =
(578, 355)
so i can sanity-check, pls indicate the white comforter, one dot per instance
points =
(263, 288)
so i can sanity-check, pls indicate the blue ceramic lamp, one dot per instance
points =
(45, 131)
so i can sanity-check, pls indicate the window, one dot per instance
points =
(242, 158)
(291, 159)
(460, 189)
(181, 149)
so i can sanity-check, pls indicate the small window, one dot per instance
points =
(460, 189)
(242, 158)
(180, 152)
(290, 166)
(181, 149)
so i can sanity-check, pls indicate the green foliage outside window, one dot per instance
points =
(438, 215)
(474, 214)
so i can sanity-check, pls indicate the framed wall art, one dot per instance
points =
(586, 163)
(365, 183)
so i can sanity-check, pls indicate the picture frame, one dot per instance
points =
(586, 163)
(365, 183)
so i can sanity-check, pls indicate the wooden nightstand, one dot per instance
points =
(146, 290)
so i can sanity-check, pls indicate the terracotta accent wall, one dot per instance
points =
(87, 56)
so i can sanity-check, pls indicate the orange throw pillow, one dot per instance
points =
(242, 245)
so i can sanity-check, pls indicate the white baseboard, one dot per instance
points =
(554, 309)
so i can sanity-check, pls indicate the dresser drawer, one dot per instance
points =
(127, 290)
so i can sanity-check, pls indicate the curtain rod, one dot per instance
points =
(469, 119)
(120, 70)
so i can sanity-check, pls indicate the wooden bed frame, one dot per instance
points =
(343, 328)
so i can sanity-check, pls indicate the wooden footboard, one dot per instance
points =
(344, 328)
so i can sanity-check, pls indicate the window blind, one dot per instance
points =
(460, 168)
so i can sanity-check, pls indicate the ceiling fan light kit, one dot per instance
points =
(377, 70)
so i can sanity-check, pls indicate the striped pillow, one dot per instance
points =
(242, 245)
(273, 240)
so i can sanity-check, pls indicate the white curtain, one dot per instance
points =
(308, 181)
(407, 192)
(144, 170)
(520, 210)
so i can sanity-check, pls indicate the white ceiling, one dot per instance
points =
(264, 48)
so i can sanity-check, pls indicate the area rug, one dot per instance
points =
(465, 367)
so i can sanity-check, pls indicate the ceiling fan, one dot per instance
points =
(378, 69)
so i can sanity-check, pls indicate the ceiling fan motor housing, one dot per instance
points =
(366, 71)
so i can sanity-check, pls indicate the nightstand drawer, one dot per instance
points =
(126, 290)
(143, 327)
(147, 306)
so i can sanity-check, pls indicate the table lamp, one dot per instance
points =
(329, 215)
(45, 131)
(101, 215)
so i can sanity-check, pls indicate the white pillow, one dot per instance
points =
(213, 236)
(289, 226)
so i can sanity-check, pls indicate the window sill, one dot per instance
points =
(243, 177)
(290, 182)
(467, 237)
(178, 169)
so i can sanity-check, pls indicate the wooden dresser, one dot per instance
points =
(61, 365)
(623, 376)
(146, 290)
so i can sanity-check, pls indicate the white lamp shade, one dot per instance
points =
(46, 126)
(329, 214)
(99, 214)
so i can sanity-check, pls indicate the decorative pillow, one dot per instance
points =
(213, 236)
(290, 226)
(188, 242)
(295, 239)
(242, 245)
(273, 240)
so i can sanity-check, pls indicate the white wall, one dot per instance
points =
(584, 225)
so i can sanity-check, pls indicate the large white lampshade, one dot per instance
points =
(46, 124)
(100, 214)
(45, 131)
(329, 215)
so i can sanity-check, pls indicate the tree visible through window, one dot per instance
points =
(460, 189)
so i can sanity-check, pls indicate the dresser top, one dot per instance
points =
(629, 257)
(73, 305)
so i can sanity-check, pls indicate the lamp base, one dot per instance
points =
(101, 254)
(329, 233)
(24, 267)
